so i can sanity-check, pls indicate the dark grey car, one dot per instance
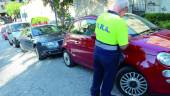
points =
(45, 40)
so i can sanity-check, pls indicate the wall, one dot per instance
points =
(87, 7)
(36, 8)
(91, 7)
(158, 6)
(165, 6)
(95, 7)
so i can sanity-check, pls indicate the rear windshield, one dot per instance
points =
(19, 27)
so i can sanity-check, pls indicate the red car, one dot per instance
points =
(146, 68)
(4, 32)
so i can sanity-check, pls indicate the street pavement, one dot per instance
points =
(21, 74)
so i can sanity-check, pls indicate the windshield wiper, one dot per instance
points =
(151, 30)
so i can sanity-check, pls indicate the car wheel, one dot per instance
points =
(22, 49)
(67, 59)
(10, 43)
(15, 44)
(131, 83)
(38, 53)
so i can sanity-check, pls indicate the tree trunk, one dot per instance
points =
(63, 15)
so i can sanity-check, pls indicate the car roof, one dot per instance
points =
(95, 17)
(17, 23)
(43, 25)
(86, 17)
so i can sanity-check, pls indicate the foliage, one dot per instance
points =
(38, 20)
(160, 19)
(164, 24)
(60, 7)
(13, 8)
(157, 17)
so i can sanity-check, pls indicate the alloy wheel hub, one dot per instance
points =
(66, 59)
(133, 84)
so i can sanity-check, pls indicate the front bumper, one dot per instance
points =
(49, 52)
(160, 83)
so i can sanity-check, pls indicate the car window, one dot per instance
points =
(88, 26)
(19, 27)
(75, 27)
(36, 32)
(83, 27)
(25, 32)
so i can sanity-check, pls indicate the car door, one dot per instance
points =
(73, 40)
(26, 40)
(87, 42)
(81, 40)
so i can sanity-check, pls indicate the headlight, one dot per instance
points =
(166, 73)
(164, 58)
(53, 44)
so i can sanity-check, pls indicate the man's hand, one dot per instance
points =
(123, 47)
(129, 37)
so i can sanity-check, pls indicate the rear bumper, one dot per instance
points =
(5, 37)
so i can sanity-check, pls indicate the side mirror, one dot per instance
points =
(29, 35)
(93, 36)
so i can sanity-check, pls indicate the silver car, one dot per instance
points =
(15, 29)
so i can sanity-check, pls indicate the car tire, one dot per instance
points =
(22, 49)
(15, 44)
(10, 43)
(67, 59)
(38, 54)
(131, 83)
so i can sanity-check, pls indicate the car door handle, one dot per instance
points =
(77, 42)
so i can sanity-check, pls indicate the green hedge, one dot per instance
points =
(160, 19)
(164, 24)
(38, 20)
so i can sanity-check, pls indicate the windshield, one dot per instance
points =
(138, 24)
(19, 27)
(43, 30)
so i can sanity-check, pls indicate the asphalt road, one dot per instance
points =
(21, 74)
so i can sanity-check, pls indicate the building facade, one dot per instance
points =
(36, 8)
(95, 7)
(92, 7)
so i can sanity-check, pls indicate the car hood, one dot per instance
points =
(157, 42)
(49, 37)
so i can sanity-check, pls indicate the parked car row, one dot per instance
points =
(145, 70)
(45, 39)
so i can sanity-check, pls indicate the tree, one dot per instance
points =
(13, 9)
(60, 7)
